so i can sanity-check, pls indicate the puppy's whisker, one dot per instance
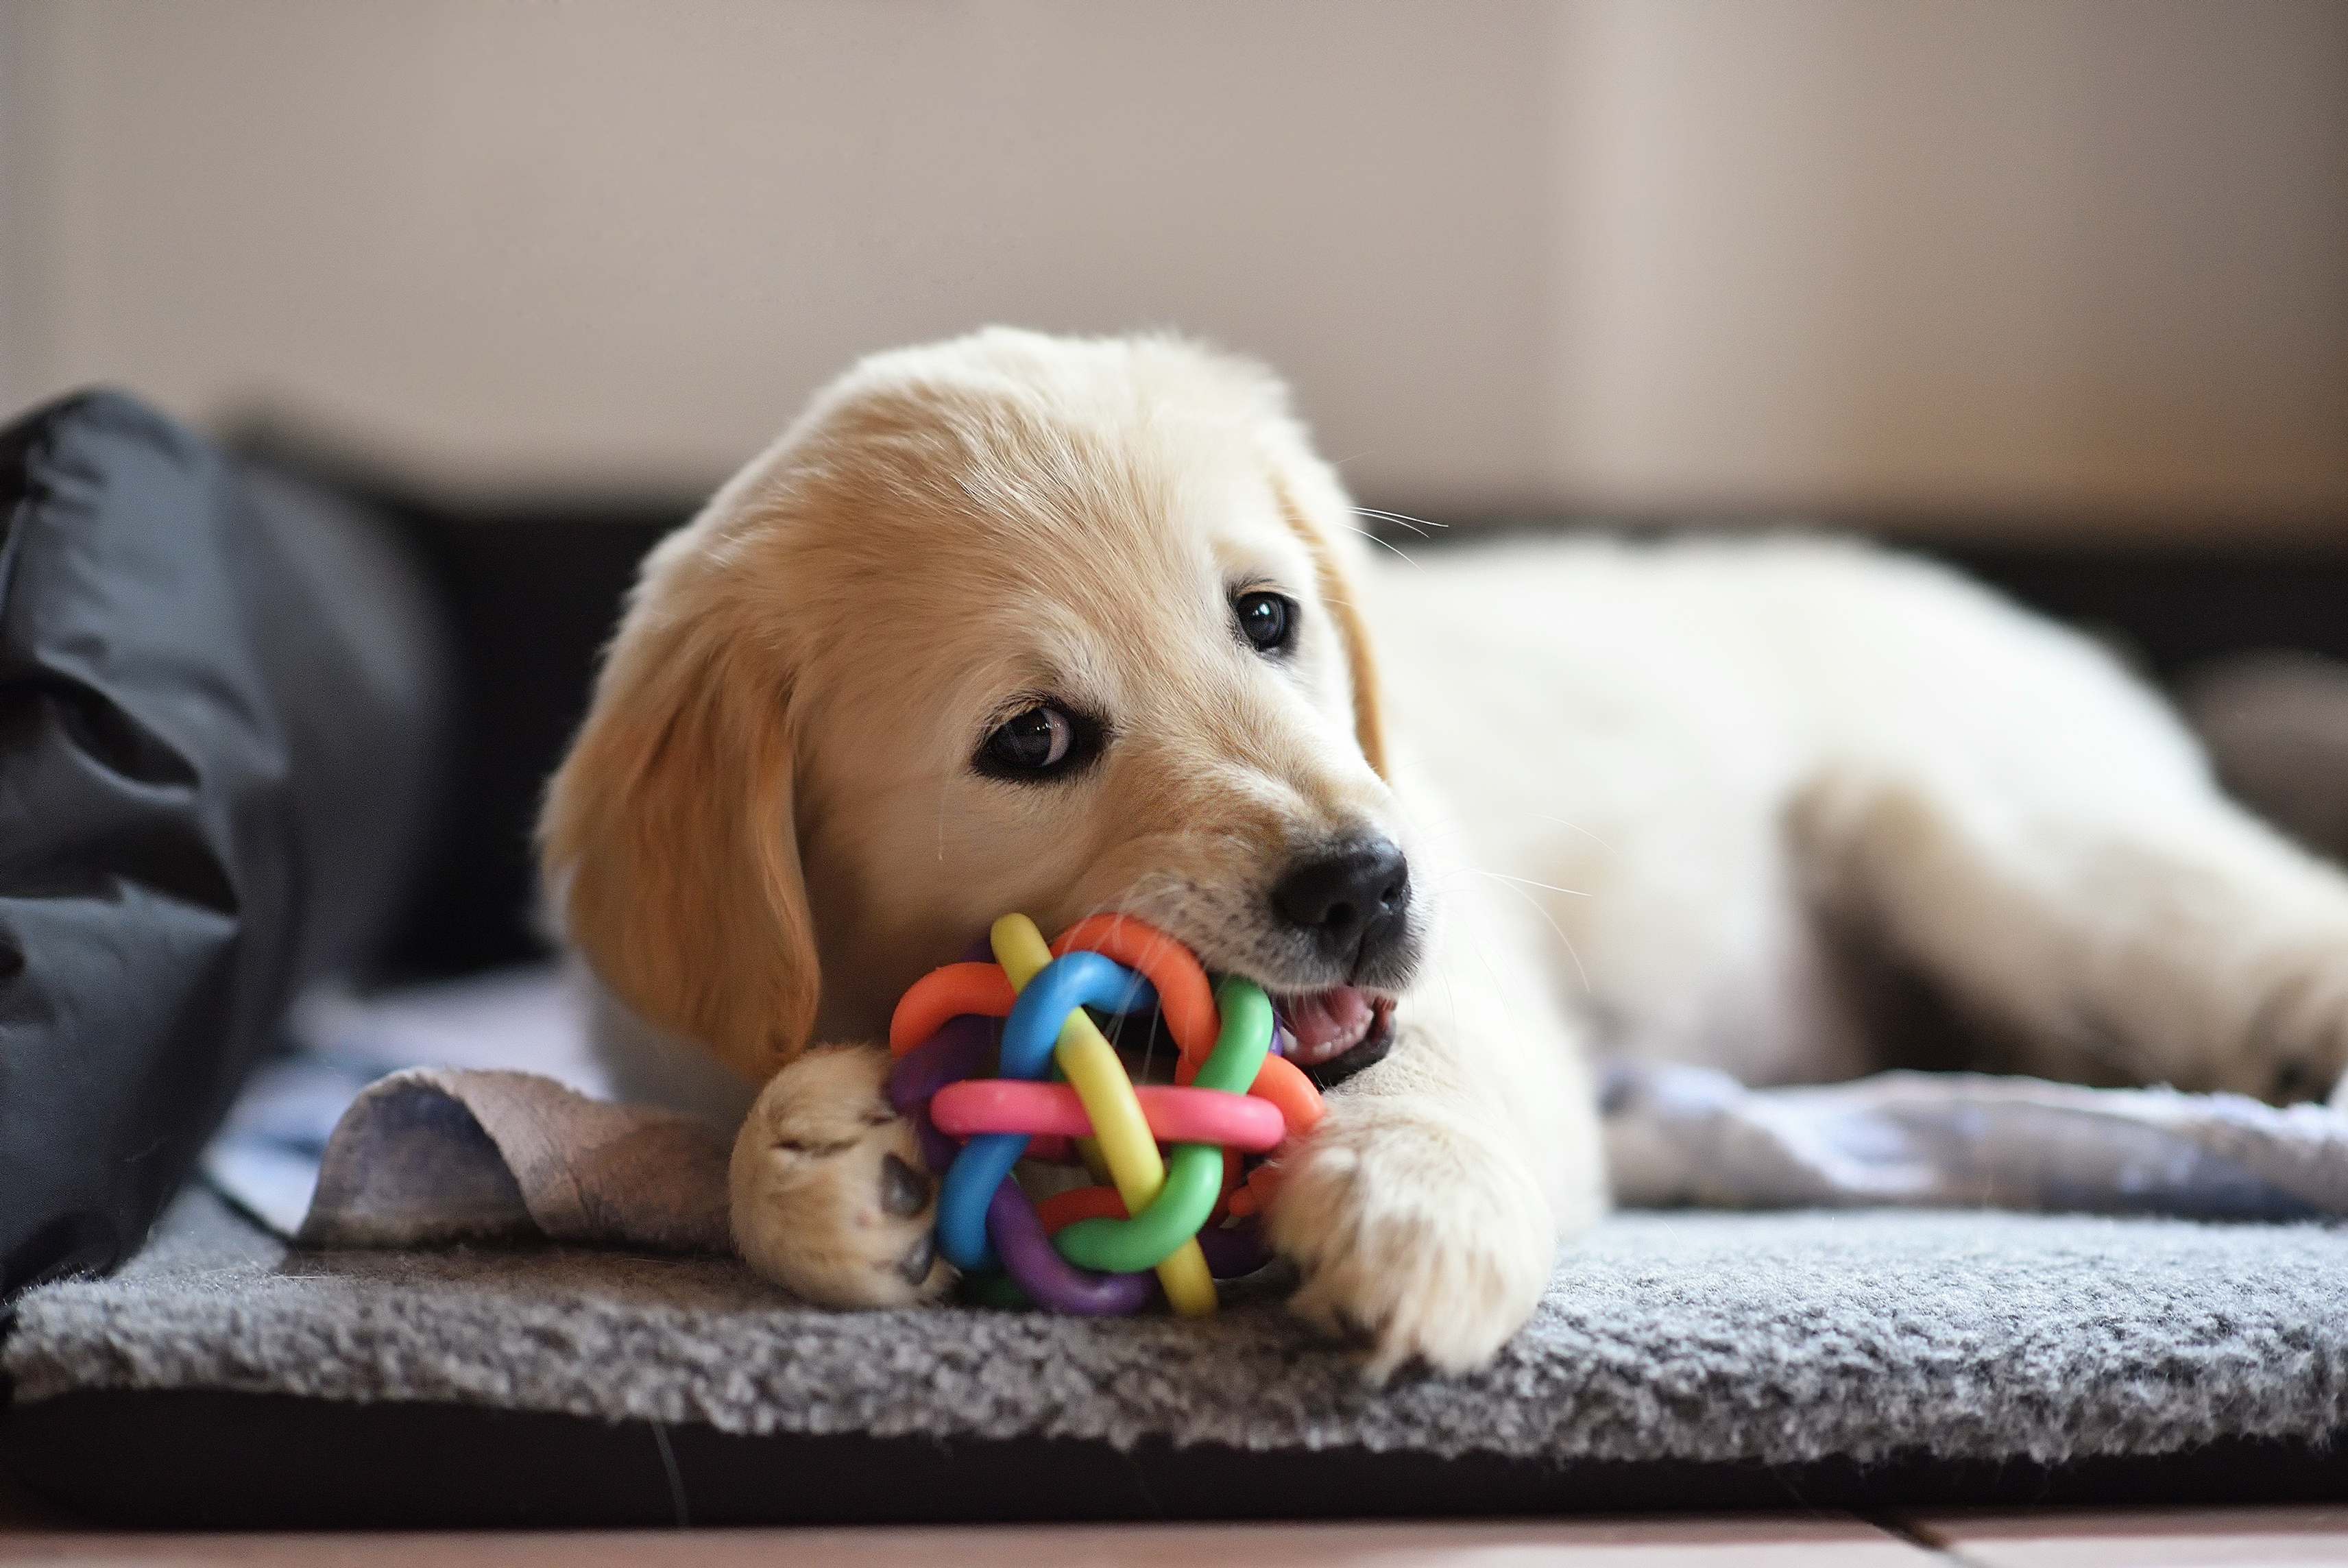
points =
(1374, 539)
(1528, 881)
(1587, 989)
(1399, 522)
(1149, 1045)
(1417, 525)
(1448, 821)
(1577, 827)
(1424, 828)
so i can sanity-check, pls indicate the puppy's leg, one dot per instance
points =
(1427, 1209)
(2112, 919)
(830, 1199)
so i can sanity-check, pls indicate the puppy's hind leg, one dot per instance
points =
(2108, 914)
(829, 1197)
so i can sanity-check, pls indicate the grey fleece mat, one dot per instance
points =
(1778, 1337)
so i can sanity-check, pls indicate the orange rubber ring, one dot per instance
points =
(1279, 1081)
(1283, 1083)
(1183, 994)
(948, 993)
(1256, 1192)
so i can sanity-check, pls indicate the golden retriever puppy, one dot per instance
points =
(1018, 623)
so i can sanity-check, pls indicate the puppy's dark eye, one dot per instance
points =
(1268, 620)
(1042, 741)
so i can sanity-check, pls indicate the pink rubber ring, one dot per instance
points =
(976, 1106)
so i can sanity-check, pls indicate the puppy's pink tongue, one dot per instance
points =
(1328, 1022)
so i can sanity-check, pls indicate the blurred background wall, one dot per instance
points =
(2071, 266)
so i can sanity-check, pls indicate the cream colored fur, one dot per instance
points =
(1650, 795)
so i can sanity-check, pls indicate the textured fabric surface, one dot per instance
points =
(1690, 1135)
(432, 1155)
(1775, 1338)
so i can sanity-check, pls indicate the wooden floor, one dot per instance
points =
(2053, 1538)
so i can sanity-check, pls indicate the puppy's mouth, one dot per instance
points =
(1335, 1032)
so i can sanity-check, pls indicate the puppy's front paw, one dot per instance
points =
(829, 1197)
(1415, 1237)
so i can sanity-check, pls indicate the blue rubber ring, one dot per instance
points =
(1073, 980)
(983, 1164)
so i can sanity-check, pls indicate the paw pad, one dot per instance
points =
(905, 1192)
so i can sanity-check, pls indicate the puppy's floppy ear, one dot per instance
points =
(1316, 508)
(1340, 588)
(669, 843)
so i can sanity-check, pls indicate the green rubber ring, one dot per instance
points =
(1194, 1172)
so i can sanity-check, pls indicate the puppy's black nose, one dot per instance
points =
(1350, 903)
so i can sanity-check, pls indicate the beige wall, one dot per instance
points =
(2090, 255)
(2082, 255)
(623, 241)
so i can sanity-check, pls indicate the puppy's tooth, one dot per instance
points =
(914, 1266)
(905, 1192)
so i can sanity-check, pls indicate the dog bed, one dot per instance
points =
(637, 1372)
(1866, 1356)
(1680, 1359)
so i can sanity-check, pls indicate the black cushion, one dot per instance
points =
(219, 702)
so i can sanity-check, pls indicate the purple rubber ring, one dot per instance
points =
(938, 1150)
(1234, 1250)
(1050, 1280)
(957, 1051)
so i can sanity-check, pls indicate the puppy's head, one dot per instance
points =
(1012, 623)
